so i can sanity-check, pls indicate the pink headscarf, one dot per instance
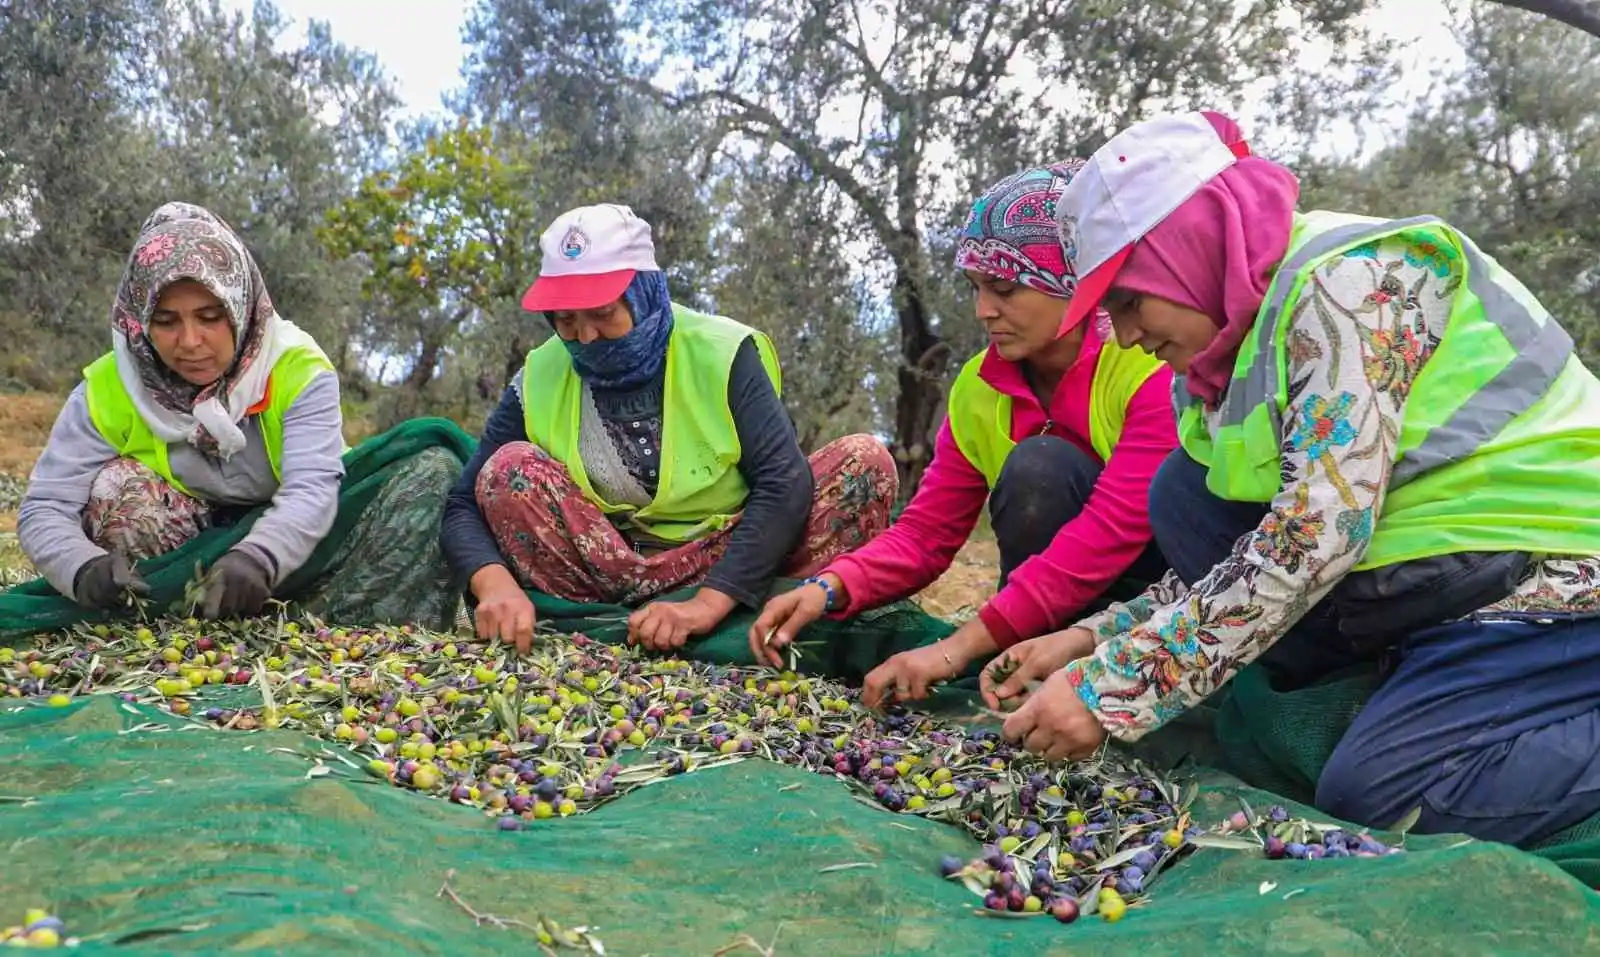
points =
(1217, 254)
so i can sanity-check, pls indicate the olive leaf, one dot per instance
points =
(1405, 824)
(1224, 843)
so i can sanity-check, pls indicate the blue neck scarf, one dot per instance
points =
(639, 356)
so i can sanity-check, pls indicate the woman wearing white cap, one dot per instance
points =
(1388, 453)
(643, 449)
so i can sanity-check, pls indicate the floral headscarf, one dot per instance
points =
(182, 241)
(1011, 231)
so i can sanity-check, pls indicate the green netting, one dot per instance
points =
(133, 834)
(136, 833)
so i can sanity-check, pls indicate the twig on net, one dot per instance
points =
(746, 942)
(504, 923)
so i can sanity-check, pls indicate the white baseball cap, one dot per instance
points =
(590, 255)
(1132, 183)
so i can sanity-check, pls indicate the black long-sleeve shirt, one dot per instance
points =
(775, 469)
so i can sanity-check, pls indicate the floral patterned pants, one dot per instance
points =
(386, 567)
(560, 543)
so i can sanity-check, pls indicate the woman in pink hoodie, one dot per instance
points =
(1058, 428)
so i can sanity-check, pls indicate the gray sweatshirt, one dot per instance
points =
(50, 523)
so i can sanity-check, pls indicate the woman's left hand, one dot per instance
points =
(1055, 723)
(911, 675)
(667, 625)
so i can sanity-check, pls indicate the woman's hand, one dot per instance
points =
(504, 610)
(912, 675)
(1055, 723)
(785, 616)
(667, 625)
(1004, 684)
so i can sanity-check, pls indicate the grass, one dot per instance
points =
(25, 422)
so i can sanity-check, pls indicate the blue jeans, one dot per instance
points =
(1043, 485)
(1490, 724)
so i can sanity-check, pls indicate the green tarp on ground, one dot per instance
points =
(136, 835)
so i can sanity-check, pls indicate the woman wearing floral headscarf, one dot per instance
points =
(208, 404)
(1058, 429)
(1388, 454)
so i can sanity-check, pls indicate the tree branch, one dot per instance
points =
(872, 72)
(1580, 14)
(769, 126)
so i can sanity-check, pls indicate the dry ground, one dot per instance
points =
(25, 422)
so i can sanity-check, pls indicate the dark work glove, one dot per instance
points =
(236, 587)
(102, 582)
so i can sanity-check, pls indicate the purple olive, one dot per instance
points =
(950, 864)
(1276, 848)
(509, 823)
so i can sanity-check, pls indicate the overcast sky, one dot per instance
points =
(419, 43)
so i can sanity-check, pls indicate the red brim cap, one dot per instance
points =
(1091, 289)
(562, 293)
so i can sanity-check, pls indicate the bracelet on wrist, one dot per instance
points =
(827, 589)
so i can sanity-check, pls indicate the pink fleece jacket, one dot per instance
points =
(1088, 554)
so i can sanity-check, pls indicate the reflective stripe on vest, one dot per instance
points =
(980, 415)
(700, 487)
(1500, 431)
(114, 416)
(1543, 348)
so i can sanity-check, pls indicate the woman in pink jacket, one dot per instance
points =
(1057, 428)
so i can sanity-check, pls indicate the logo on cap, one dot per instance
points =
(1067, 227)
(574, 243)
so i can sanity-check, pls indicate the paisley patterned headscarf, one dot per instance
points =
(1011, 231)
(182, 241)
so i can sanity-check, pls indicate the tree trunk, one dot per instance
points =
(427, 362)
(1580, 14)
(922, 367)
(923, 355)
(516, 355)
